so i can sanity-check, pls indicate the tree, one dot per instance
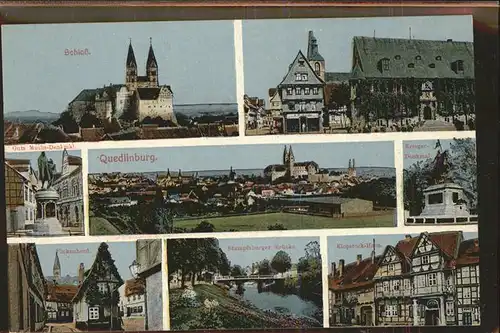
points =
(204, 226)
(237, 270)
(90, 120)
(68, 122)
(312, 250)
(224, 264)
(340, 96)
(281, 262)
(463, 161)
(265, 267)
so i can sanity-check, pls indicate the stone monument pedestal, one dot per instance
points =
(46, 223)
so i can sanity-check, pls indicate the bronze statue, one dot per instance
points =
(440, 172)
(46, 170)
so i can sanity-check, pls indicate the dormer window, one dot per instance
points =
(432, 65)
(418, 58)
(298, 77)
(304, 77)
(411, 65)
(397, 57)
(385, 64)
(438, 58)
(301, 63)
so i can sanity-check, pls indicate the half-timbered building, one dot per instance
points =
(95, 304)
(351, 291)
(467, 284)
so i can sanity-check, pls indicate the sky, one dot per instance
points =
(348, 247)
(263, 248)
(195, 58)
(421, 150)
(205, 158)
(56, 157)
(123, 253)
(269, 46)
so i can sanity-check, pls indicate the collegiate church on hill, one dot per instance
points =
(140, 97)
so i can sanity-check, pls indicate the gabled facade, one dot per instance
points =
(96, 301)
(302, 99)
(155, 102)
(428, 280)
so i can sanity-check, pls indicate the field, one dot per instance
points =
(261, 222)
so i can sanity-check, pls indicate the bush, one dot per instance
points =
(277, 226)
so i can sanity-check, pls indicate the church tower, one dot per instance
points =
(152, 67)
(290, 162)
(56, 270)
(315, 59)
(285, 156)
(131, 69)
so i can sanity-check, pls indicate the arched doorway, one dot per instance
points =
(366, 316)
(427, 112)
(432, 313)
(50, 210)
(39, 210)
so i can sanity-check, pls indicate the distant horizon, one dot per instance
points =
(259, 156)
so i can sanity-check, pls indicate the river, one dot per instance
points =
(286, 304)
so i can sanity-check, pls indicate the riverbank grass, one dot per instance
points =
(258, 222)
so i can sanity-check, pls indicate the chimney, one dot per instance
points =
(334, 268)
(359, 257)
(373, 252)
(81, 271)
(341, 267)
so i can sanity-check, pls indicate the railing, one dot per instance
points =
(248, 278)
(472, 219)
(437, 289)
(394, 293)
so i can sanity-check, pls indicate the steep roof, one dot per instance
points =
(355, 275)
(289, 77)
(151, 93)
(86, 95)
(151, 62)
(436, 58)
(74, 160)
(337, 77)
(272, 91)
(60, 292)
(468, 253)
(312, 48)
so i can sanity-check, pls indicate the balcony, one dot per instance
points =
(420, 291)
(394, 293)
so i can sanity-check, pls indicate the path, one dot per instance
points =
(61, 327)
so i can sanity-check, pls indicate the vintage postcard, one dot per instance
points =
(423, 279)
(440, 181)
(44, 193)
(84, 287)
(242, 188)
(359, 75)
(136, 81)
(245, 283)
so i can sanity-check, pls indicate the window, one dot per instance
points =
(411, 65)
(397, 57)
(432, 65)
(297, 91)
(94, 313)
(307, 91)
(304, 77)
(386, 286)
(298, 77)
(313, 106)
(438, 58)
(432, 279)
(466, 293)
(315, 91)
(396, 285)
(425, 260)
(317, 67)
(289, 91)
(301, 63)
(450, 311)
(391, 311)
(140, 309)
(418, 58)
(385, 64)
(455, 197)
(390, 267)
(436, 198)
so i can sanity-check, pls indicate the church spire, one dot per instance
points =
(285, 155)
(151, 62)
(131, 56)
(56, 270)
(312, 49)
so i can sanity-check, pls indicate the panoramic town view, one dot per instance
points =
(241, 188)
(85, 287)
(394, 74)
(423, 279)
(44, 194)
(134, 82)
(245, 283)
(440, 181)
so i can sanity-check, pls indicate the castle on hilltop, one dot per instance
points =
(139, 98)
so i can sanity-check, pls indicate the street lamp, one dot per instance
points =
(134, 269)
